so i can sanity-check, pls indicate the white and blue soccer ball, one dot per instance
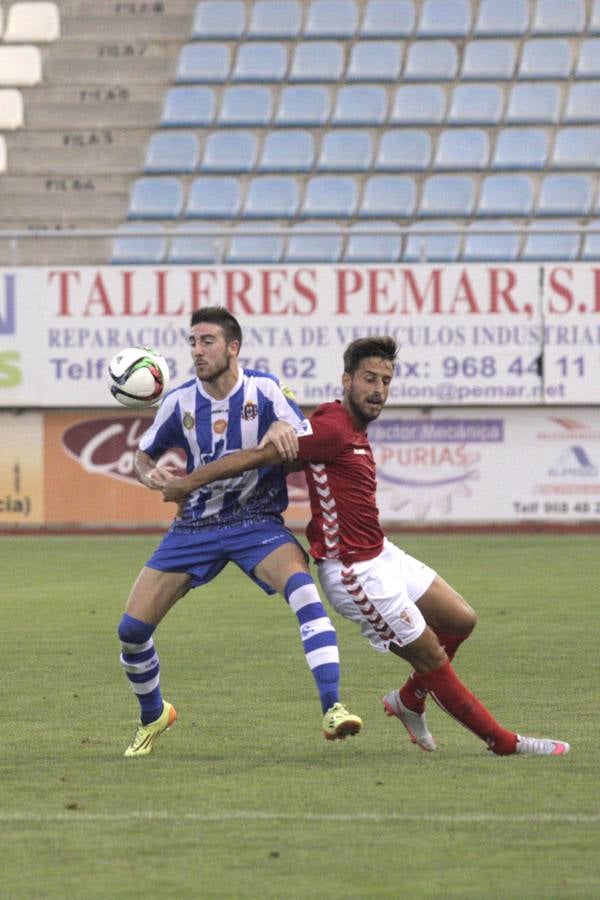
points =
(138, 377)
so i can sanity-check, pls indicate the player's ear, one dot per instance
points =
(234, 348)
(346, 380)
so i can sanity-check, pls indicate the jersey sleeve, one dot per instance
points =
(324, 443)
(284, 406)
(165, 432)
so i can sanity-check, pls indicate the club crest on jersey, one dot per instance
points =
(188, 421)
(249, 411)
(287, 392)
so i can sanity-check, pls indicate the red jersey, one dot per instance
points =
(340, 471)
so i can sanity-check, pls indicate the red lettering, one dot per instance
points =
(64, 298)
(502, 281)
(415, 298)
(378, 290)
(464, 293)
(271, 290)
(237, 285)
(163, 298)
(349, 281)
(596, 308)
(306, 291)
(561, 289)
(98, 296)
(128, 296)
(199, 291)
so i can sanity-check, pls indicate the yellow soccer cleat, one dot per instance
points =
(145, 735)
(338, 723)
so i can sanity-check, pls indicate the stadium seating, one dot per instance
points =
(359, 114)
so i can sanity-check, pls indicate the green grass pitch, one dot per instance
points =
(243, 798)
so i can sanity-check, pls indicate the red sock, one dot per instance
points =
(414, 690)
(450, 693)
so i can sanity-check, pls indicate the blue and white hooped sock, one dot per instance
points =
(319, 639)
(140, 661)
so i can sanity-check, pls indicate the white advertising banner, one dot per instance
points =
(488, 465)
(468, 335)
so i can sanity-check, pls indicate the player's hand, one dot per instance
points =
(284, 439)
(174, 490)
(157, 477)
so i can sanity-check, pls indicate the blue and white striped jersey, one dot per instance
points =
(206, 429)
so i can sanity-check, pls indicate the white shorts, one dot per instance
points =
(379, 594)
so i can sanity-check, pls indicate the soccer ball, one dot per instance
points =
(138, 377)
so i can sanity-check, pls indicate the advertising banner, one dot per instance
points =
(476, 465)
(474, 335)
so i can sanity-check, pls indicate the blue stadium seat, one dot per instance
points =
(591, 240)
(447, 195)
(521, 148)
(500, 245)
(388, 19)
(318, 247)
(331, 19)
(230, 151)
(374, 61)
(188, 107)
(203, 247)
(431, 61)
(346, 150)
(583, 101)
(372, 242)
(275, 19)
(272, 196)
(576, 148)
(149, 247)
(565, 195)
(419, 104)
(502, 17)
(155, 198)
(488, 59)
(265, 61)
(201, 63)
(304, 105)
(330, 196)
(558, 17)
(404, 149)
(531, 103)
(172, 151)
(545, 58)
(432, 242)
(246, 105)
(444, 18)
(287, 151)
(462, 148)
(562, 243)
(360, 104)
(221, 19)
(247, 246)
(317, 61)
(588, 59)
(214, 198)
(506, 195)
(476, 104)
(594, 23)
(389, 195)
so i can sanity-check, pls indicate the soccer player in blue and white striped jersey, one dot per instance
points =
(223, 409)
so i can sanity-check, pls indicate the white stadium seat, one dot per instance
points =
(38, 22)
(11, 109)
(20, 66)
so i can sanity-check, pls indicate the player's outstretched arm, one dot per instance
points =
(228, 466)
(149, 474)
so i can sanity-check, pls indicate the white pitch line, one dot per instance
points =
(79, 816)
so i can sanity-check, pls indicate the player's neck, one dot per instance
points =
(221, 386)
(357, 420)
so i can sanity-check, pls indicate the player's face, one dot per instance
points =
(367, 389)
(211, 354)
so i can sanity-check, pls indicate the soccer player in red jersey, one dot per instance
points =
(400, 604)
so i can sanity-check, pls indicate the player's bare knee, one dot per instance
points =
(425, 654)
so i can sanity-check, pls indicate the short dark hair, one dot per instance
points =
(218, 315)
(383, 347)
